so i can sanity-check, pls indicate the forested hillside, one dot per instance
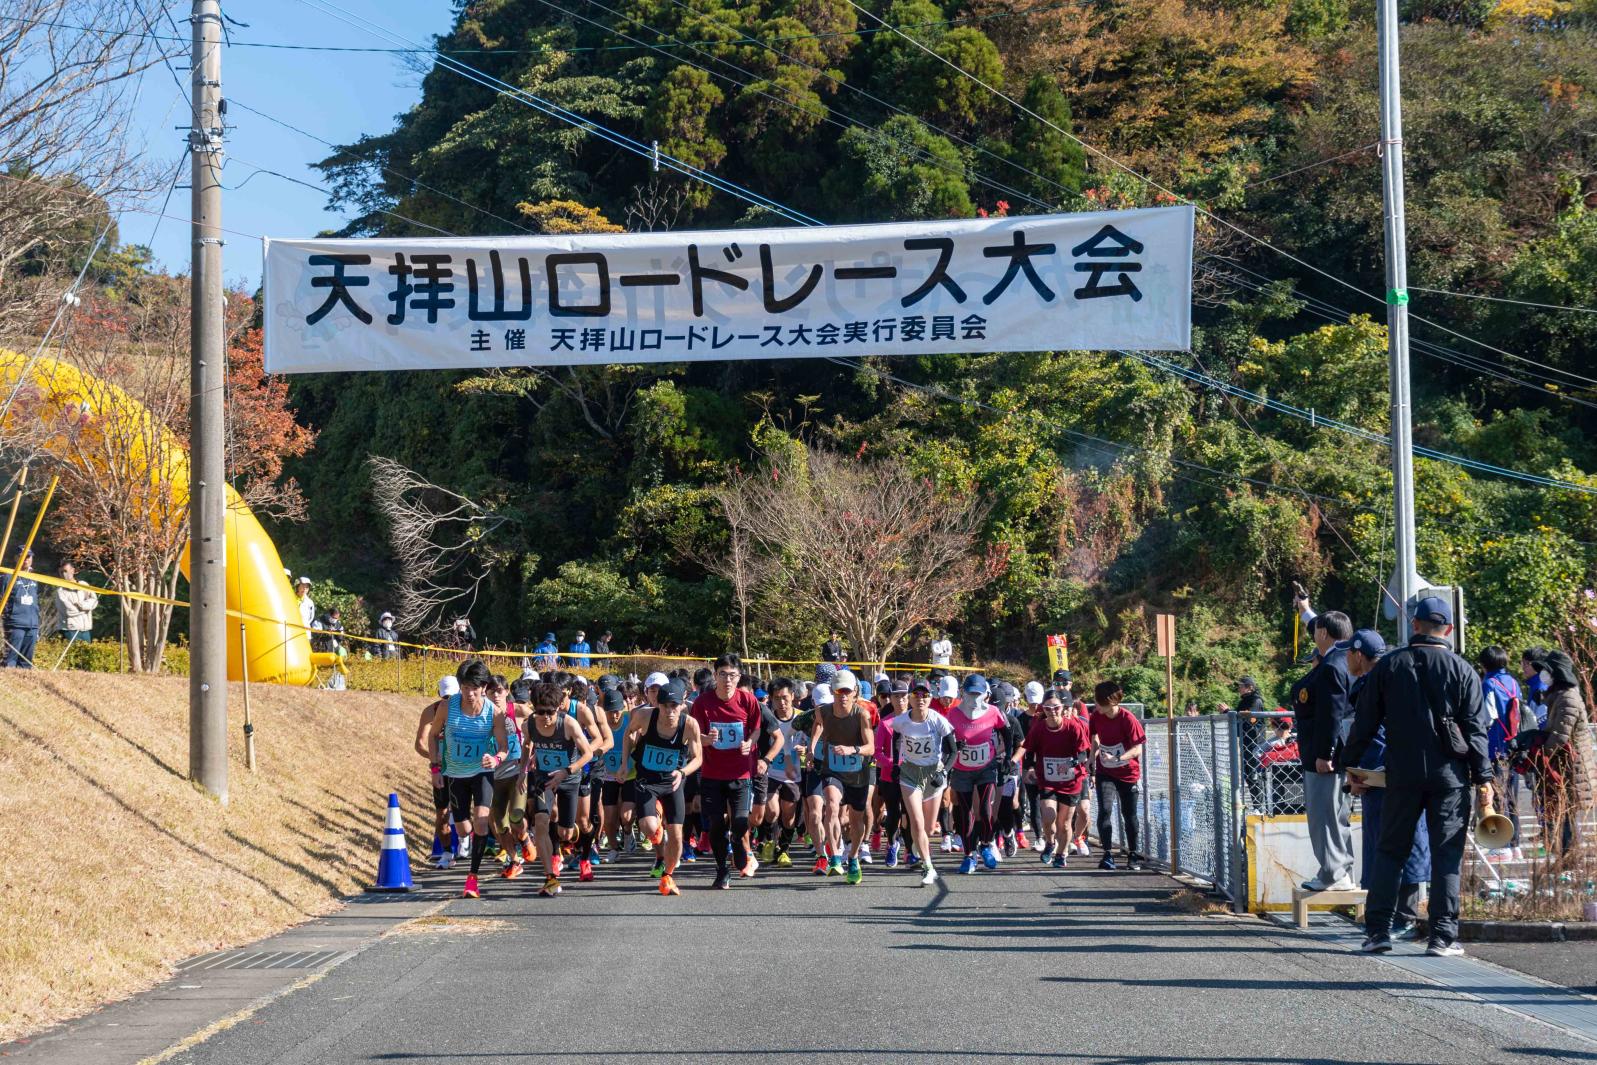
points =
(1114, 483)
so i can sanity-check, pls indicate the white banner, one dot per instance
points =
(1103, 280)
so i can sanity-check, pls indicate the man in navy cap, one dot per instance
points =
(1429, 700)
(1366, 649)
(1324, 714)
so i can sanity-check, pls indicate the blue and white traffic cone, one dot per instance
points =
(393, 867)
(454, 836)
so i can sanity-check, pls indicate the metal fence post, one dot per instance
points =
(1174, 803)
(1217, 797)
(1239, 857)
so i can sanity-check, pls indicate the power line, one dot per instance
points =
(1503, 299)
(1311, 166)
(325, 191)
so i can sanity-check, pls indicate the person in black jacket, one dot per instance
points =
(21, 621)
(832, 650)
(1320, 701)
(1423, 693)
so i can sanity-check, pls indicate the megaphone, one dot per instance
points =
(1493, 831)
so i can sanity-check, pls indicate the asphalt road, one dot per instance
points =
(1016, 965)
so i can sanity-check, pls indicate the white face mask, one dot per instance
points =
(1546, 678)
(970, 704)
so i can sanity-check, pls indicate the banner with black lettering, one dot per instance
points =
(1100, 280)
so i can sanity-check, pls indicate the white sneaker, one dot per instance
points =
(865, 856)
(1344, 884)
(1036, 845)
(1081, 848)
(929, 877)
(948, 845)
(445, 860)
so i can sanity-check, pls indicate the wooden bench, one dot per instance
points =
(1302, 900)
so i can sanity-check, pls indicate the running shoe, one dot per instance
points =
(914, 859)
(612, 856)
(1107, 863)
(989, 857)
(855, 873)
(959, 842)
(668, 886)
(512, 870)
(659, 868)
(1059, 860)
(929, 877)
(529, 853)
(750, 869)
(632, 844)
(723, 882)
(893, 853)
(471, 891)
(446, 860)
(701, 843)
(863, 855)
(876, 840)
(1412, 933)
(782, 860)
(820, 866)
(689, 855)
(573, 863)
(585, 871)
(551, 887)
(1047, 854)
(1135, 861)
(1011, 846)
(1081, 846)
(767, 851)
(594, 859)
(968, 866)
(835, 866)
(1376, 944)
(1022, 842)
(948, 844)
(1444, 948)
(1036, 844)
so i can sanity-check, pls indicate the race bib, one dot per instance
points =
(1108, 752)
(779, 763)
(551, 758)
(843, 763)
(661, 759)
(728, 735)
(974, 757)
(919, 749)
(612, 759)
(1058, 770)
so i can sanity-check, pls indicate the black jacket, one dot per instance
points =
(1394, 695)
(1320, 703)
(832, 651)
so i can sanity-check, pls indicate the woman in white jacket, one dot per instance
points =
(77, 608)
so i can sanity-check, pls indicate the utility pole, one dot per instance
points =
(1405, 577)
(207, 483)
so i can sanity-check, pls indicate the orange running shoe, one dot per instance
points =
(511, 871)
(529, 853)
(585, 870)
(668, 885)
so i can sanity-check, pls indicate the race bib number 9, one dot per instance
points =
(612, 759)
(661, 759)
(728, 735)
(974, 757)
(1058, 770)
(550, 759)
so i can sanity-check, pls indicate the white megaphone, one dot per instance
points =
(1493, 831)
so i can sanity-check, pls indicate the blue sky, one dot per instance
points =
(336, 95)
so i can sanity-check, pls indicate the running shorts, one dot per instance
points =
(929, 780)
(467, 794)
(761, 789)
(509, 806)
(662, 801)
(787, 791)
(970, 781)
(441, 798)
(855, 796)
(615, 792)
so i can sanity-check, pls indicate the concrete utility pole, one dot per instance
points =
(207, 445)
(1406, 580)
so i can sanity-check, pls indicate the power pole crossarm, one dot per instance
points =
(207, 446)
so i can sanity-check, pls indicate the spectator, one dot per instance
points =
(1249, 701)
(307, 606)
(463, 635)
(1191, 708)
(1364, 651)
(580, 651)
(21, 614)
(942, 650)
(832, 650)
(386, 632)
(1324, 714)
(1504, 707)
(1430, 701)
(602, 645)
(1534, 682)
(329, 639)
(547, 654)
(76, 607)
(1571, 790)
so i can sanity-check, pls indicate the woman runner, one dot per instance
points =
(923, 742)
(1058, 748)
(984, 741)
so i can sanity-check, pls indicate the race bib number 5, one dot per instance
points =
(974, 757)
(1058, 770)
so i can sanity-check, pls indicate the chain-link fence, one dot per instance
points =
(1203, 795)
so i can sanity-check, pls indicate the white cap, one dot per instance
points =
(385, 616)
(448, 686)
(1033, 693)
(947, 687)
(656, 680)
(821, 694)
(845, 679)
(302, 580)
(529, 674)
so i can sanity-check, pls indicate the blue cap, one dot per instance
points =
(1434, 608)
(760, 693)
(976, 683)
(674, 691)
(824, 671)
(1368, 643)
(549, 636)
(866, 690)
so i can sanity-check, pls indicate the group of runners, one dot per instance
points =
(571, 773)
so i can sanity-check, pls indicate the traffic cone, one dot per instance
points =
(393, 867)
(454, 837)
(438, 850)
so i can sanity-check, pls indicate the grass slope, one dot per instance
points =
(118, 866)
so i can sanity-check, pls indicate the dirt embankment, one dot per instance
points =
(117, 867)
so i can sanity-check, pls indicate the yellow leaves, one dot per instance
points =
(566, 216)
(1508, 11)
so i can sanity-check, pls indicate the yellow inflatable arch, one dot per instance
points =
(259, 596)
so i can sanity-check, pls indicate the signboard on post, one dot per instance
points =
(1058, 653)
(1097, 280)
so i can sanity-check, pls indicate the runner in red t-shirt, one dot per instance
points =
(1058, 748)
(729, 720)
(1117, 738)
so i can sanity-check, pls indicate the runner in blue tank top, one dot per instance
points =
(474, 745)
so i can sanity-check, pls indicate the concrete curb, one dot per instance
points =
(1526, 931)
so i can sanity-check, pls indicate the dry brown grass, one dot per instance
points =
(117, 866)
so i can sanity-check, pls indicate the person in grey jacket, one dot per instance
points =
(21, 614)
(1422, 693)
(76, 607)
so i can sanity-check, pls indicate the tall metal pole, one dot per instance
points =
(1405, 577)
(207, 485)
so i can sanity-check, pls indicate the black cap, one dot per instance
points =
(1061, 676)
(920, 684)
(609, 682)
(674, 691)
(899, 687)
(612, 701)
